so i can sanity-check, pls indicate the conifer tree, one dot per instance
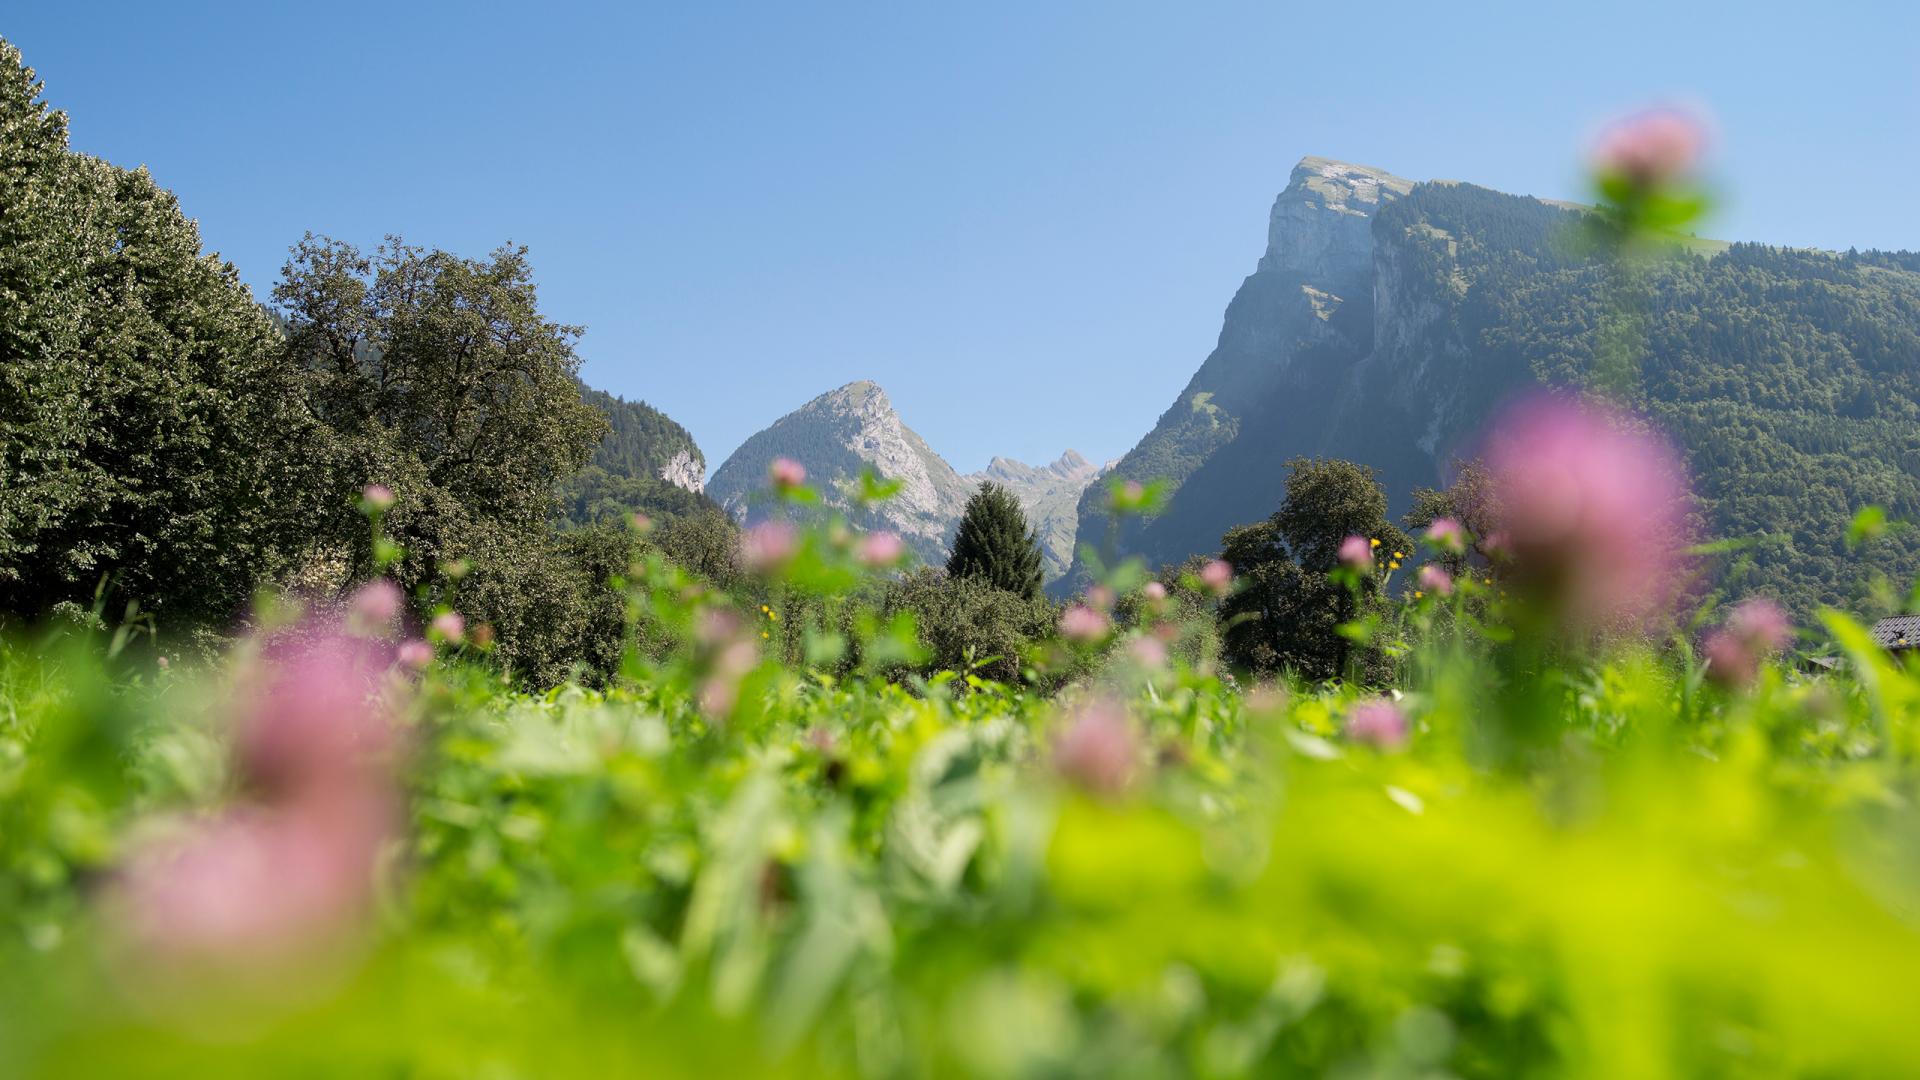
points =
(995, 544)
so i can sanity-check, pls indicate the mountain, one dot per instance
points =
(1387, 320)
(835, 436)
(838, 434)
(1050, 494)
(647, 462)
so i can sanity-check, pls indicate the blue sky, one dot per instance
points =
(1024, 219)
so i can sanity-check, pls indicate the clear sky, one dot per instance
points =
(1023, 219)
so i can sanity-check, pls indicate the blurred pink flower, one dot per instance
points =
(1217, 576)
(374, 609)
(1447, 535)
(787, 473)
(1378, 723)
(448, 626)
(1154, 592)
(714, 626)
(1083, 624)
(1100, 598)
(1148, 651)
(415, 654)
(259, 889)
(881, 549)
(1497, 546)
(1755, 630)
(767, 546)
(1762, 624)
(1594, 511)
(377, 497)
(1435, 580)
(1356, 554)
(1651, 148)
(163, 662)
(285, 878)
(312, 717)
(1099, 751)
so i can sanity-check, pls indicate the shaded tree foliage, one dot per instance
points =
(1286, 611)
(150, 429)
(994, 543)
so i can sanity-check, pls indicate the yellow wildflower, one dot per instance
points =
(1375, 542)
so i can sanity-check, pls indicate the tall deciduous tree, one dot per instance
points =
(995, 544)
(438, 376)
(147, 415)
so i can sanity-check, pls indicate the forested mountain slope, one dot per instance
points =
(1790, 378)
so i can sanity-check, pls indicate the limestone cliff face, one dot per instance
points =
(686, 470)
(835, 436)
(1308, 303)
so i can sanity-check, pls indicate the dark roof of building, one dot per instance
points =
(1899, 632)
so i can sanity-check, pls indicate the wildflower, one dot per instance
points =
(881, 549)
(455, 569)
(1378, 723)
(415, 654)
(1100, 598)
(767, 546)
(1447, 535)
(449, 627)
(1099, 751)
(1356, 553)
(1148, 651)
(787, 473)
(1652, 149)
(1154, 592)
(1435, 580)
(1399, 555)
(163, 662)
(1217, 576)
(1395, 565)
(642, 524)
(282, 880)
(1083, 624)
(1594, 512)
(376, 498)
(1755, 630)
(374, 609)
(311, 716)
(1373, 543)
(482, 636)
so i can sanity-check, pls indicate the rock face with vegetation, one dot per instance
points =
(646, 463)
(1386, 322)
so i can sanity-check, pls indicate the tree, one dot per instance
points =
(1287, 611)
(150, 427)
(438, 377)
(994, 543)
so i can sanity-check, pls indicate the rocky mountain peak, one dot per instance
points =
(1320, 225)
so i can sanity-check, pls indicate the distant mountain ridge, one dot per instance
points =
(1050, 494)
(1386, 321)
(841, 432)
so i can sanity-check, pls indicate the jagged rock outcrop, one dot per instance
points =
(1050, 494)
(835, 436)
(838, 434)
(687, 471)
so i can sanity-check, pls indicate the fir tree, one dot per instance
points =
(995, 544)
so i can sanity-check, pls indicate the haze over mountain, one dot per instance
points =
(1387, 320)
(841, 432)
